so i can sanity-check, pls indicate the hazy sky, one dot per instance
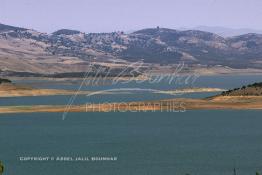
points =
(114, 15)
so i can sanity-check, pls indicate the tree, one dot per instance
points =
(1, 168)
(257, 173)
(2, 80)
(235, 172)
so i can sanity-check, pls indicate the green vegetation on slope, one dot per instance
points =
(249, 90)
(2, 80)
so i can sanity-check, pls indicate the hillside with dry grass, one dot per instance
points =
(249, 90)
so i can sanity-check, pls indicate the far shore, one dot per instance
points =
(161, 70)
(12, 90)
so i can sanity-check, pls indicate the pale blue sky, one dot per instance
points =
(114, 15)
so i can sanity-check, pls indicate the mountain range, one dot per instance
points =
(65, 50)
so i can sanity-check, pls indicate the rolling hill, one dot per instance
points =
(27, 50)
(249, 90)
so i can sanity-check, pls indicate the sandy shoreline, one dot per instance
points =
(179, 104)
(11, 90)
(175, 104)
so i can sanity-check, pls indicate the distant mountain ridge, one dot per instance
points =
(4, 27)
(70, 49)
(227, 32)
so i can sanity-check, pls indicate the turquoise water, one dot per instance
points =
(224, 82)
(227, 81)
(195, 142)
(146, 143)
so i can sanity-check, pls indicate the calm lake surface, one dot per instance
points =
(224, 82)
(146, 143)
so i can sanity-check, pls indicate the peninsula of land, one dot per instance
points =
(245, 98)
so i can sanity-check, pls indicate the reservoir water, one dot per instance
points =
(145, 143)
